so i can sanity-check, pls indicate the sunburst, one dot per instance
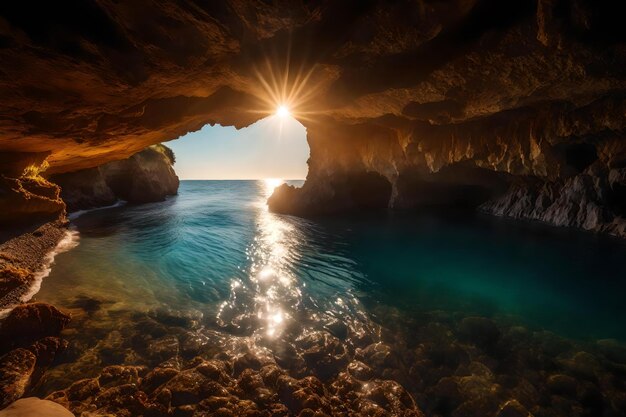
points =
(284, 90)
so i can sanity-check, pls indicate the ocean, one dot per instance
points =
(214, 269)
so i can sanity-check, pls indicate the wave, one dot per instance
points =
(76, 214)
(69, 241)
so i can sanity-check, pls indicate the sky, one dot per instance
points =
(274, 147)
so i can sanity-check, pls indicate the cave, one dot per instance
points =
(417, 208)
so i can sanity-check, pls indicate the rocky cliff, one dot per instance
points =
(425, 102)
(147, 176)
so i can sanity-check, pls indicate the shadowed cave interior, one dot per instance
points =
(456, 248)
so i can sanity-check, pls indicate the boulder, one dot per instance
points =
(34, 407)
(29, 322)
(16, 369)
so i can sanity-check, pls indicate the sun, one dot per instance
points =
(282, 111)
(273, 182)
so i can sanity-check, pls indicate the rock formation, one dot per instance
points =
(442, 100)
(29, 345)
(145, 177)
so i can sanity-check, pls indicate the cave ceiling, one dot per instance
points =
(84, 82)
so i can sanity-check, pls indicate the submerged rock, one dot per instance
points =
(479, 330)
(29, 322)
(16, 369)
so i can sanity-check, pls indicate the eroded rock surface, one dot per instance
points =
(402, 89)
(16, 369)
(27, 323)
(147, 176)
(592, 200)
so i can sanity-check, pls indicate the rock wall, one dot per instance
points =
(26, 198)
(445, 100)
(593, 200)
(147, 176)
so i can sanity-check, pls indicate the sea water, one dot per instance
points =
(215, 255)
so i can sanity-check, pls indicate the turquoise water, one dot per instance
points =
(215, 251)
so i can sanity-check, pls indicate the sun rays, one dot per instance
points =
(286, 91)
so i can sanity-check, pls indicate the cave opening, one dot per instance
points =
(273, 147)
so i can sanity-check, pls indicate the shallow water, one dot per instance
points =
(215, 262)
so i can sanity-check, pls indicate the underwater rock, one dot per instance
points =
(163, 348)
(35, 407)
(16, 369)
(513, 408)
(29, 322)
(562, 385)
(156, 378)
(47, 350)
(120, 375)
(479, 330)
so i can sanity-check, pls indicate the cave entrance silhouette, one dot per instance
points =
(273, 147)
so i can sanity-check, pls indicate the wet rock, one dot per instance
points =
(163, 397)
(562, 385)
(378, 356)
(551, 343)
(360, 371)
(112, 349)
(582, 364)
(83, 389)
(122, 400)
(88, 304)
(119, 375)
(214, 403)
(192, 345)
(479, 330)
(337, 328)
(12, 277)
(390, 396)
(184, 411)
(176, 318)
(186, 387)
(34, 407)
(29, 322)
(156, 378)
(246, 361)
(47, 350)
(16, 369)
(525, 392)
(164, 348)
(326, 356)
(613, 350)
(513, 408)
(214, 370)
(592, 399)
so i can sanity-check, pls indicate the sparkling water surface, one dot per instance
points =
(215, 254)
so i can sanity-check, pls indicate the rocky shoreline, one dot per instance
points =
(26, 258)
